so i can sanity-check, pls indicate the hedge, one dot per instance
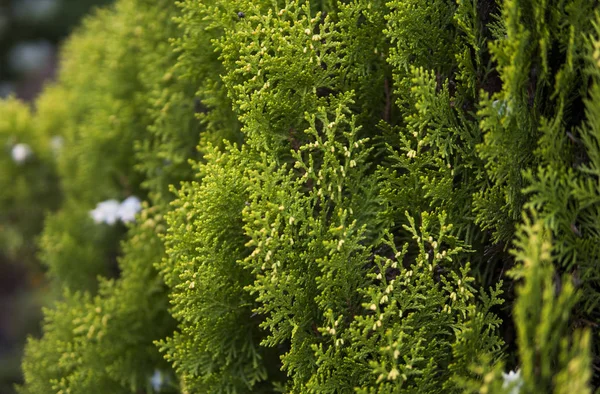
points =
(337, 196)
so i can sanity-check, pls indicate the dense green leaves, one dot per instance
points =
(331, 191)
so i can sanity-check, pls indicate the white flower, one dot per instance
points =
(110, 211)
(20, 153)
(129, 208)
(501, 107)
(157, 380)
(106, 212)
(513, 381)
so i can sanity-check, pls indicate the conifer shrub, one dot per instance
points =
(29, 179)
(361, 196)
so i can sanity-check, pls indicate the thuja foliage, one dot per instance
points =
(339, 196)
(28, 176)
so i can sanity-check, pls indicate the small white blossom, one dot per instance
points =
(129, 208)
(501, 107)
(157, 380)
(106, 212)
(512, 380)
(20, 153)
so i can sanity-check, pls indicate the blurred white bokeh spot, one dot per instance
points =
(20, 153)
(129, 208)
(30, 57)
(35, 10)
(106, 212)
(111, 211)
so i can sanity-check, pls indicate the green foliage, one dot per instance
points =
(104, 343)
(432, 47)
(565, 191)
(418, 331)
(216, 348)
(306, 229)
(330, 191)
(29, 186)
(548, 358)
(552, 358)
(538, 50)
(101, 113)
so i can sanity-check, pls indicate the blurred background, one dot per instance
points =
(31, 32)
